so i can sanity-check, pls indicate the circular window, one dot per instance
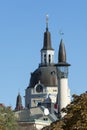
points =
(39, 88)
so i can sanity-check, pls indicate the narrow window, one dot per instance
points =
(49, 58)
(44, 58)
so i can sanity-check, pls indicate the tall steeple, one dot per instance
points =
(47, 52)
(19, 103)
(47, 38)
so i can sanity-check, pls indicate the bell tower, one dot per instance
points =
(47, 52)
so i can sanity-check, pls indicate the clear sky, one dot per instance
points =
(22, 24)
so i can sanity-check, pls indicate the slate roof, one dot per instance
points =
(47, 76)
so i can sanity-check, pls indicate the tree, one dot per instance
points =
(7, 119)
(76, 117)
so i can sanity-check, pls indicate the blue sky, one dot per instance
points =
(22, 24)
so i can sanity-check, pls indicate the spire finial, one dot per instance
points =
(46, 22)
(19, 91)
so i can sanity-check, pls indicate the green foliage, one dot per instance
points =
(7, 119)
(76, 117)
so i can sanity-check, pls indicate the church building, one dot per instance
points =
(48, 87)
(43, 81)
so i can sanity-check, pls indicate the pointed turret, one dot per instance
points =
(19, 103)
(47, 52)
(62, 52)
(62, 55)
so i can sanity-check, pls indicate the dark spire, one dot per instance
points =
(62, 55)
(47, 38)
(62, 52)
(19, 103)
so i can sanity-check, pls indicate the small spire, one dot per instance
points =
(62, 52)
(47, 22)
(19, 103)
(62, 55)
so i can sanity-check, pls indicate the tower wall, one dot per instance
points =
(63, 95)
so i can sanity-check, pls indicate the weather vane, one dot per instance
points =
(61, 33)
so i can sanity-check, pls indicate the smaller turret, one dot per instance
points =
(62, 70)
(62, 53)
(19, 103)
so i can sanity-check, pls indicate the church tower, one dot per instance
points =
(63, 89)
(43, 81)
(47, 52)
